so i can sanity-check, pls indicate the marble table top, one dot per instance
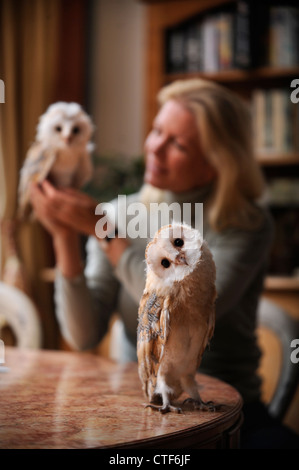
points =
(55, 399)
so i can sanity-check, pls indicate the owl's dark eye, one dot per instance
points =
(178, 242)
(58, 128)
(76, 130)
(165, 263)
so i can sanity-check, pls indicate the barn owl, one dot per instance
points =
(176, 316)
(61, 151)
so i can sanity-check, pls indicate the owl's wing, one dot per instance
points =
(152, 333)
(36, 167)
(208, 336)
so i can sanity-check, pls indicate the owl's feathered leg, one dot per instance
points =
(165, 392)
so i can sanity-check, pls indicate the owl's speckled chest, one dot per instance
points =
(65, 167)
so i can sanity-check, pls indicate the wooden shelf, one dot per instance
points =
(237, 75)
(282, 283)
(278, 159)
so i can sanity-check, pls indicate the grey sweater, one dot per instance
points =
(84, 305)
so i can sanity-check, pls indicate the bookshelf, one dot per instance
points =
(279, 159)
(166, 16)
(236, 75)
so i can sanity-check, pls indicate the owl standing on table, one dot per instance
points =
(61, 151)
(176, 316)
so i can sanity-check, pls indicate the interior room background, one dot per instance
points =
(112, 56)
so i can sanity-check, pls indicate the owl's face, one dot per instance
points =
(64, 125)
(174, 252)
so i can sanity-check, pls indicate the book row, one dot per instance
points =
(250, 34)
(276, 122)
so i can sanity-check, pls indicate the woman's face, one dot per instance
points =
(174, 159)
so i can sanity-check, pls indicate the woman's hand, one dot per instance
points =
(65, 213)
(63, 210)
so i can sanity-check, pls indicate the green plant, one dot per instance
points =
(114, 175)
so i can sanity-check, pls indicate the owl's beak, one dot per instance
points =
(180, 259)
(67, 139)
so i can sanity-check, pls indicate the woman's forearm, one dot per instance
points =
(68, 254)
(84, 303)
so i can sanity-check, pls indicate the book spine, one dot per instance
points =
(268, 122)
(175, 51)
(225, 26)
(193, 47)
(289, 143)
(210, 45)
(295, 120)
(242, 46)
(283, 36)
(258, 118)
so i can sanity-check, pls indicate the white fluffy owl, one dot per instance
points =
(61, 151)
(176, 315)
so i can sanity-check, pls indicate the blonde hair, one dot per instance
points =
(225, 132)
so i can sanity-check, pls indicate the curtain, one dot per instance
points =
(28, 62)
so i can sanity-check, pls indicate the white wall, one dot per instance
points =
(116, 93)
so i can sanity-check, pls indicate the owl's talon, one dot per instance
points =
(165, 408)
(176, 409)
(202, 405)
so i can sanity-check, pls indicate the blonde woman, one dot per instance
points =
(200, 150)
